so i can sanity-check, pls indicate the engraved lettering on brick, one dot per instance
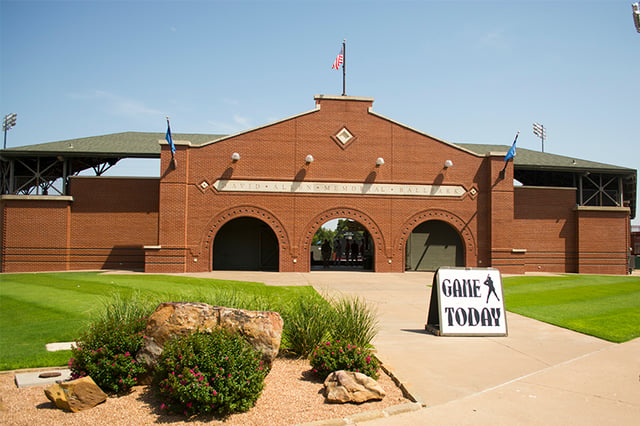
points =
(339, 188)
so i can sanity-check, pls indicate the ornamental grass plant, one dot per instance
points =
(353, 321)
(307, 322)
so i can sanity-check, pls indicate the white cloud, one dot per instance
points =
(237, 124)
(115, 104)
(495, 39)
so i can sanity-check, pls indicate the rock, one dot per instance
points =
(349, 386)
(76, 395)
(261, 329)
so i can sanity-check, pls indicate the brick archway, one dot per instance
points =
(221, 219)
(343, 213)
(467, 237)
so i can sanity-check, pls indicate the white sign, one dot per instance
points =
(468, 302)
(338, 188)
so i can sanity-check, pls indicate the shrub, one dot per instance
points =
(215, 372)
(307, 322)
(106, 349)
(339, 355)
(353, 321)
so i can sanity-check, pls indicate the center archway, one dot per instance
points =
(342, 244)
(245, 244)
(433, 244)
(365, 223)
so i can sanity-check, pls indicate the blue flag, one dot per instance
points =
(170, 139)
(512, 150)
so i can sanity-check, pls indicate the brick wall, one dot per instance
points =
(545, 226)
(603, 240)
(35, 233)
(111, 220)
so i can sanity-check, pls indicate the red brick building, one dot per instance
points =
(254, 200)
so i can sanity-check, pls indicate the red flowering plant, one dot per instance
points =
(209, 373)
(106, 352)
(341, 355)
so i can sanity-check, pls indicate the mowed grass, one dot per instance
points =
(607, 307)
(36, 309)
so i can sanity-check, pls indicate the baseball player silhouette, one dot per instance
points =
(489, 283)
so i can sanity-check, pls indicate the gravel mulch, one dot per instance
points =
(291, 396)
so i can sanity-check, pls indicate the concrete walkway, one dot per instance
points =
(539, 374)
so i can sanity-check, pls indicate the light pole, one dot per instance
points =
(541, 132)
(8, 122)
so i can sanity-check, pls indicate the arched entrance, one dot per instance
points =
(433, 244)
(342, 244)
(245, 244)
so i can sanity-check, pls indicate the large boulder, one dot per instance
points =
(350, 386)
(261, 329)
(76, 395)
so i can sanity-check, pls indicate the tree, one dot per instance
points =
(323, 234)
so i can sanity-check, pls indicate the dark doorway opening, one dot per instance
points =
(433, 244)
(342, 245)
(245, 244)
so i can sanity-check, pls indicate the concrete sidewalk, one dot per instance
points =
(538, 374)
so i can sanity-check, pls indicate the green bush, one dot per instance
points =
(217, 373)
(339, 355)
(307, 322)
(310, 320)
(106, 349)
(353, 321)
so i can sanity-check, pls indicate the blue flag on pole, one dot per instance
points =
(512, 151)
(170, 139)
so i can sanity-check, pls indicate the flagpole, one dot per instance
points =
(344, 67)
(509, 156)
(172, 147)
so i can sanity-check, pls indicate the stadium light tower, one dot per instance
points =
(636, 15)
(8, 122)
(541, 132)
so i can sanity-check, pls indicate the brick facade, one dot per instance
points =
(170, 224)
(103, 224)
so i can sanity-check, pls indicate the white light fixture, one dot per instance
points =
(309, 159)
(235, 156)
(379, 161)
(448, 163)
(7, 123)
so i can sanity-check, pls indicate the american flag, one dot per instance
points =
(339, 59)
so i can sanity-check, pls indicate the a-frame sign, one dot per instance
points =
(467, 302)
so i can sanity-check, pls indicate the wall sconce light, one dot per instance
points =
(235, 156)
(379, 161)
(448, 163)
(309, 159)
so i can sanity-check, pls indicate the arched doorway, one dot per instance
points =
(433, 244)
(245, 244)
(346, 242)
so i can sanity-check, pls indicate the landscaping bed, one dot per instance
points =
(292, 395)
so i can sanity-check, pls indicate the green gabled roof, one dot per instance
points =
(536, 160)
(126, 144)
(145, 145)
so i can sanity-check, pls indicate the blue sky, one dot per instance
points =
(464, 71)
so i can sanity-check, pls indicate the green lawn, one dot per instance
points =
(36, 309)
(607, 307)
